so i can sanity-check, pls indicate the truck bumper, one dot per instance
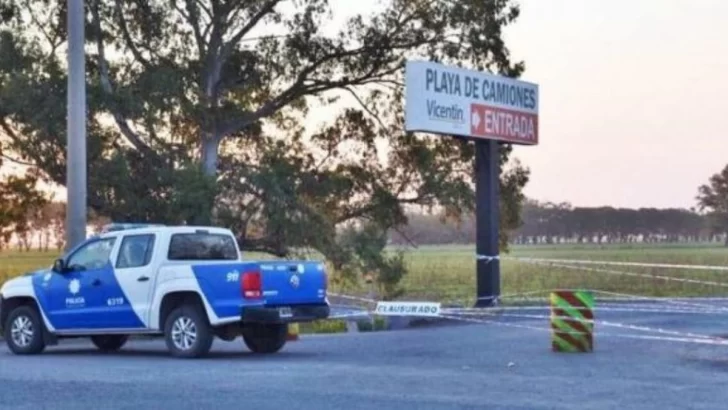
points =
(284, 314)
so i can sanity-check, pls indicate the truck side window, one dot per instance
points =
(135, 251)
(202, 246)
(93, 255)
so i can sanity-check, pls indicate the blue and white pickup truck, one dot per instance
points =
(187, 284)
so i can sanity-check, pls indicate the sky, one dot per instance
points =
(632, 93)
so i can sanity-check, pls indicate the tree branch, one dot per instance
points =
(204, 8)
(298, 88)
(125, 33)
(365, 107)
(405, 236)
(16, 161)
(107, 87)
(8, 130)
(264, 245)
(267, 8)
(193, 17)
(358, 213)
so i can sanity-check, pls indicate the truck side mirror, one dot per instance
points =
(59, 266)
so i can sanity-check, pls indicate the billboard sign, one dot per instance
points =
(449, 100)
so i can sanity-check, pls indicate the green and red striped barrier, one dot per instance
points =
(572, 321)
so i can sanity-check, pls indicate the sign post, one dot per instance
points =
(489, 110)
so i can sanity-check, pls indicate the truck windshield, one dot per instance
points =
(202, 246)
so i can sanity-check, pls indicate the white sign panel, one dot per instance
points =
(454, 101)
(408, 309)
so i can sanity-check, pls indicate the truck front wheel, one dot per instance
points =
(265, 338)
(24, 331)
(187, 332)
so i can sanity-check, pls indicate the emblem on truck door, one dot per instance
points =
(295, 281)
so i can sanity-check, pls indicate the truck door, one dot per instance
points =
(128, 288)
(74, 299)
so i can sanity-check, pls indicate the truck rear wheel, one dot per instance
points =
(24, 331)
(187, 332)
(109, 343)
(265, 338)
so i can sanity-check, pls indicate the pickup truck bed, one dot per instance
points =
(290, 291)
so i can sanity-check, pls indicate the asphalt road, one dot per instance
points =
(461, 366)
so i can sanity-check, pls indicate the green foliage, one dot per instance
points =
(376, 324)
(19, 199)
(324, 327)
(194, 117)
(367, 245)
(713, 197)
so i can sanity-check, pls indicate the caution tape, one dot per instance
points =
(634, 274)
(600, 308)
(674, 300)
(616, 263)
(467, 315)
(487, 258)
(701, 340)
(643, 275)
(355, 298)
(612, 324)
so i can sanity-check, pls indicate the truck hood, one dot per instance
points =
(23, 279)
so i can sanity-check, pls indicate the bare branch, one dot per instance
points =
(107, 87)
(267, 8)
(201, 4)
(124, 32)
(406, 237)
(365, 107)
(40, 25)
(358, 213)
(267, 245)
(16, 161)
(8, 130)
(193, 17)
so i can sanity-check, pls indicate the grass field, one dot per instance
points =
(447, 273)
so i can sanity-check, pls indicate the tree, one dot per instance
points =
(548, 222)
(19, 199)
(197, 111)
(713, 197)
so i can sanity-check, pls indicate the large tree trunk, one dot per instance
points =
(210, 145)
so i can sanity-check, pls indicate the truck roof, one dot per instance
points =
(115, 229)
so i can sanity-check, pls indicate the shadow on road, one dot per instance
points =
(156, 353)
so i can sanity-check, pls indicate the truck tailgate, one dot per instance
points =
(293, 282)
(220, 283)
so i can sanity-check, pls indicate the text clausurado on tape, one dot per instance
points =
(431, 309)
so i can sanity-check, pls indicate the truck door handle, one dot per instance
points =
(96, 282)
(143, 279)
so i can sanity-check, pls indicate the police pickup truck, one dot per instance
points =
(187, 284)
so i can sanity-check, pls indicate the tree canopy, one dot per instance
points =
(553, 223)
(199, 111)
(713, 198)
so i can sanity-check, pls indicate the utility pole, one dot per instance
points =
(76, 126)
